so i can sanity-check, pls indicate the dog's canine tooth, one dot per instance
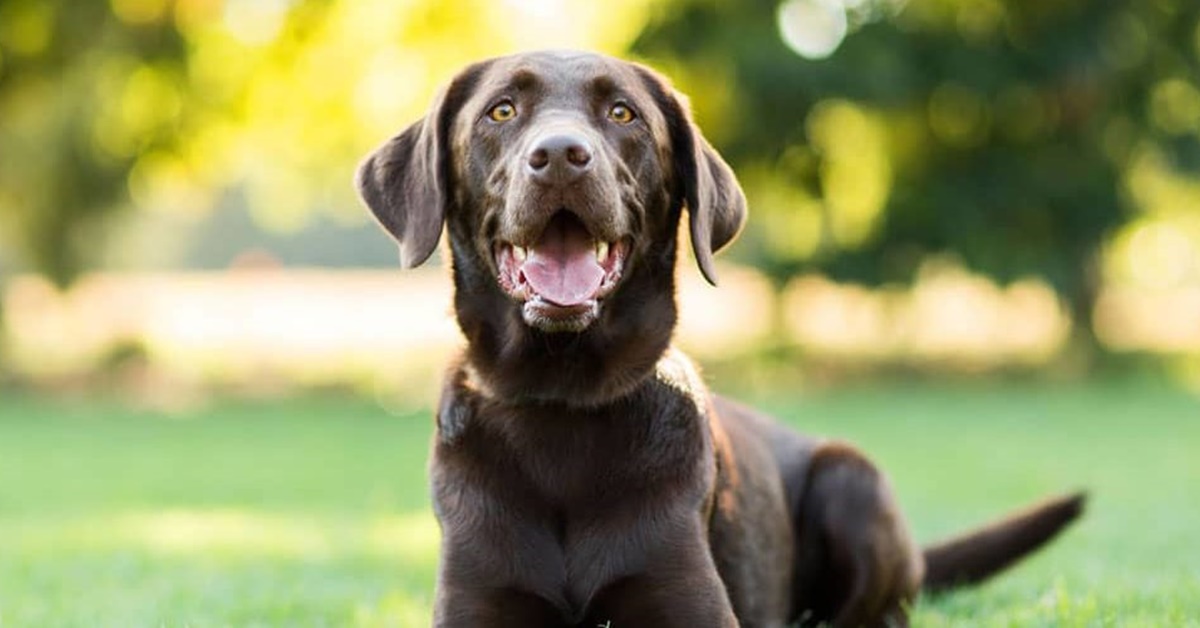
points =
(520, 253)
(601, 251)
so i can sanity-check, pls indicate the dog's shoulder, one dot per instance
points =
(675, 375)
(458, 408)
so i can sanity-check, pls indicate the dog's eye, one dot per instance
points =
(621, 114)
(503, 111)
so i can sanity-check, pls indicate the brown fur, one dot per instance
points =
(587, 477)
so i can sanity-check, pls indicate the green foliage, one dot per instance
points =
(315, 511)
(83, 92)
(173, 106)
(1052, 139)
(1003, 133)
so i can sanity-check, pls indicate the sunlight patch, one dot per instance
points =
(410, 540)
(188, 531)
(414, 536)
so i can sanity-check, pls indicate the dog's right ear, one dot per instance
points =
(405, 182)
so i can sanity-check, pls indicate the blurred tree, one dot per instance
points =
(998, 132)
(168, 105)
(1016, 135)
(84, 89)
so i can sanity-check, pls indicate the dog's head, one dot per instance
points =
(569, 167)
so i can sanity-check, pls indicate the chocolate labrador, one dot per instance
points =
(582, 473)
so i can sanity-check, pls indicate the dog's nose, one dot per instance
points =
(560, 159)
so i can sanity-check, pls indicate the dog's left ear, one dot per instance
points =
(715, 203)
(405, 182)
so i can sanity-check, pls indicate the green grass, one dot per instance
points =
(315, 511)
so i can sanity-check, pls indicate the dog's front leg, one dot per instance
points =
(460, 605)
(497, 569)
(679, 590)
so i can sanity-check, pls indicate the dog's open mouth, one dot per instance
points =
(562, 278)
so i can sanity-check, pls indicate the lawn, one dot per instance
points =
(314, 511)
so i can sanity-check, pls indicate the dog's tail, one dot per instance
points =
(981, 553)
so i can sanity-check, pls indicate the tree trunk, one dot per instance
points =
(1085, 354)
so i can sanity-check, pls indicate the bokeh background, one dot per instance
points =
(974, 247)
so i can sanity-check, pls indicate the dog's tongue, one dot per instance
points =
(562, 266)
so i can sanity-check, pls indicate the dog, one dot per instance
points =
(581, 472)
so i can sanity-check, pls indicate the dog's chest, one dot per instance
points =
(599, 523)
(584, 496)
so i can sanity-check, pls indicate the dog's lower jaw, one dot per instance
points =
(552, 319)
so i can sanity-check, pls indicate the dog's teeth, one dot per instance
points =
(601, 252)
(520, 253)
